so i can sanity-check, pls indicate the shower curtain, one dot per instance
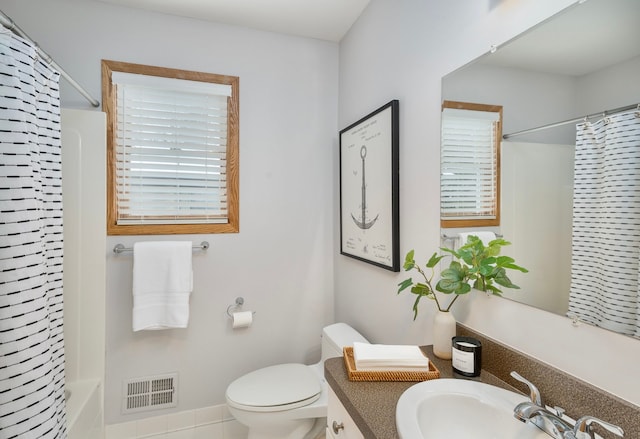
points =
(605, 262)
(32, 403)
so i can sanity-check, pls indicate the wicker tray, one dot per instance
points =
(356, 375)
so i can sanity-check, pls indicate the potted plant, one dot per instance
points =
(473, 265)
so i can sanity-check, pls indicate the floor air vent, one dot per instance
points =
(150, 393)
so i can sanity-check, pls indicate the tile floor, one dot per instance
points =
(224, 430)
(213, 422)
(220, 430)
(206, 423)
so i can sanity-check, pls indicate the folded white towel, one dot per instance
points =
(485, 237)
(393, 369)
(162, 283)
(376, 357)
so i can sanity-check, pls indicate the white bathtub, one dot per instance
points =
(84, 409)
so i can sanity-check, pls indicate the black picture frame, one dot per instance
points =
(369, 188)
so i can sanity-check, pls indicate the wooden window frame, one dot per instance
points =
(479, 222)
(232, 153)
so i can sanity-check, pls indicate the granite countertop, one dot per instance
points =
(372, 405)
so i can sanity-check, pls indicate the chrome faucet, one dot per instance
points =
(547, 421)
(550, 420)
(534, 393)
(536, 413)
(582, 429)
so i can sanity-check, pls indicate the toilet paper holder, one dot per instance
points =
(235, 306)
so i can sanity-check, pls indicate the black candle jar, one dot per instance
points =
(466, 356)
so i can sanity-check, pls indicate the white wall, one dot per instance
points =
(529, 99)
(532, 99)
(601, 90)
(536, 217)
(402, 51)
(281, 261)
(83, 170)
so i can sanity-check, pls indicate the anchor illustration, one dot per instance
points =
(363, 224)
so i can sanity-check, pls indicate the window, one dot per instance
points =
(470, 165)
(172, 145)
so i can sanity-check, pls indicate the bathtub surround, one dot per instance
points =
(83, 145)
(32, 376)
(84, 409)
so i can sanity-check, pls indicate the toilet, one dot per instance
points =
(288, 401)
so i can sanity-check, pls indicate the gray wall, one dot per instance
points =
(403, 52)
(281, 261)
(531, 99)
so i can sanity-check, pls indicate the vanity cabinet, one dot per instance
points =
(339, 423)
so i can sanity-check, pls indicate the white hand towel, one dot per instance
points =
(372, 357)
(162, 283)
(485, 237)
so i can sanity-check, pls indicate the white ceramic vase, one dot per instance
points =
(444, 329)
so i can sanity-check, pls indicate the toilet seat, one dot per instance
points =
(275, 388)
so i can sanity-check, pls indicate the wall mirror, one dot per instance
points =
(583, 61)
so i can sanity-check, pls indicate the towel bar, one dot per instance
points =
(119, 248)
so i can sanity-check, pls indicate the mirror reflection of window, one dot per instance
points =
(470, 164)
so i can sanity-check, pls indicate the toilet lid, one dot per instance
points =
(280, 387)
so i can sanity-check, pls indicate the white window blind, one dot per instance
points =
(469, 164)
(171, 143)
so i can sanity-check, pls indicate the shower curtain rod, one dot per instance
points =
(577, 119)
(13, 27)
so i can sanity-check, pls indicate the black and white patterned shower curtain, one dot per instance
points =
(32, 403)
(606, 224)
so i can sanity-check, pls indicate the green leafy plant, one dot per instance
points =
(473, 265)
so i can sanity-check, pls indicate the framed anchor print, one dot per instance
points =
(369, 205)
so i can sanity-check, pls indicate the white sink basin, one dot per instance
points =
(461, 409)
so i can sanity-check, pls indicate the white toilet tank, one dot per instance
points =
(335, 337)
